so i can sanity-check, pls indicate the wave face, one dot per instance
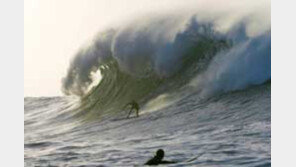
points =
(168, 53)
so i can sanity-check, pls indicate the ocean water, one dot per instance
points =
(231, 129)
(202, 81)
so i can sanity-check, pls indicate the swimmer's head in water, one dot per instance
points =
(160, 154)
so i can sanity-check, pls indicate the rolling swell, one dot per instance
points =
(142, 61)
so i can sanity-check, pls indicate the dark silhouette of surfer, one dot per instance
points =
(157, 159)
(134, 106)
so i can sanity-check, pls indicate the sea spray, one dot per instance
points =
(164, 53)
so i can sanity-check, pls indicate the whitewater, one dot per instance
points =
(202, 78)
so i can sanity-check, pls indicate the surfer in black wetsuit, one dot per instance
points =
(134, 105)
(157, 159)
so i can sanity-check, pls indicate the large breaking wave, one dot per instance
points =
(168, 52)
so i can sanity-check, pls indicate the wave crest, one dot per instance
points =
(143, 59)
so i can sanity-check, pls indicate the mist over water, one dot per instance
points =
(158, 43)
(248, 63)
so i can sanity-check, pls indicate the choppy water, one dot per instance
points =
(193, 72)
(231, 129)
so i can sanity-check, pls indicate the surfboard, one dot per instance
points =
(194, 158)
